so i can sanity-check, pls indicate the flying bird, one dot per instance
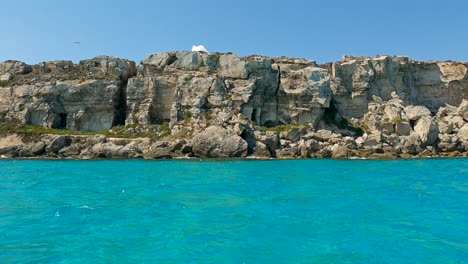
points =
(76, 42)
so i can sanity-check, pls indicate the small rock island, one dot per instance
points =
(216, 105)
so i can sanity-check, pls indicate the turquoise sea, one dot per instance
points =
(276, 211)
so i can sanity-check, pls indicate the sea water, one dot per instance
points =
(276, 211)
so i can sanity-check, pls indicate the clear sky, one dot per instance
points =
(35, 31)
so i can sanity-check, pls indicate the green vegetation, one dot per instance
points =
(187, 78)
(243, 117)
(135, 120)
(208, 116)
(5, 84)
(282, 128)
(187, 113)
(152, 131)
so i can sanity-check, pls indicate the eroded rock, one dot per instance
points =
(217, 142)
(427, 130)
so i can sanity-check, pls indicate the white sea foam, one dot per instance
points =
(86, 207)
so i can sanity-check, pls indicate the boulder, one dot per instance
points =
(388, 128)
(5, 77)
(339, 151)
(402, 128)
(325, 135)
(270, 139)
(445, 127)
(393, 113)
(161, 149)
(463, 109)
(350, 142)
(106, 150)
(38, 148)
(372, 121)
(411, 144)
(182, 147)
(446, 110)
(416, 112)
(308, 147)
(455, 120)
(463, 133)
(9, 151)
(427, 130)
(294, 134)
(24, 152)
(72, 150)
(58, 143)
(373, 140)
(217, 142)
(261, 150)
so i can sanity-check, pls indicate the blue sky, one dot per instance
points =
(35, 31)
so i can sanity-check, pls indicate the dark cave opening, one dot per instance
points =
(253, 117)
(120, 108)
(62, 121)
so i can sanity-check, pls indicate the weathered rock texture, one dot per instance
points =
(59, 94)
(432, 84)
(178, 85)
(222, 105)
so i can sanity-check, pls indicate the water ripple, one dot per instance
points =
(274, 211)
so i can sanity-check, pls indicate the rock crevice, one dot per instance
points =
(278, 107)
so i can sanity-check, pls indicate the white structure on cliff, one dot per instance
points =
(199, 48)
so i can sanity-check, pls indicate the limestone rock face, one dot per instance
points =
(431, 84)
(217, 142)
(177, 86)
(14, 67)
(185, 104)
(60, 94)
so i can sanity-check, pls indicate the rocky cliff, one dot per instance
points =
(221, 105)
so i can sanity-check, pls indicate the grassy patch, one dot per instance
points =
(153, 131)
(187, 114)
(5, 84)
(164, 129)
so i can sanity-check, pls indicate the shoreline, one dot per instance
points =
(219, 105)
(73, 147)
(193, 159)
